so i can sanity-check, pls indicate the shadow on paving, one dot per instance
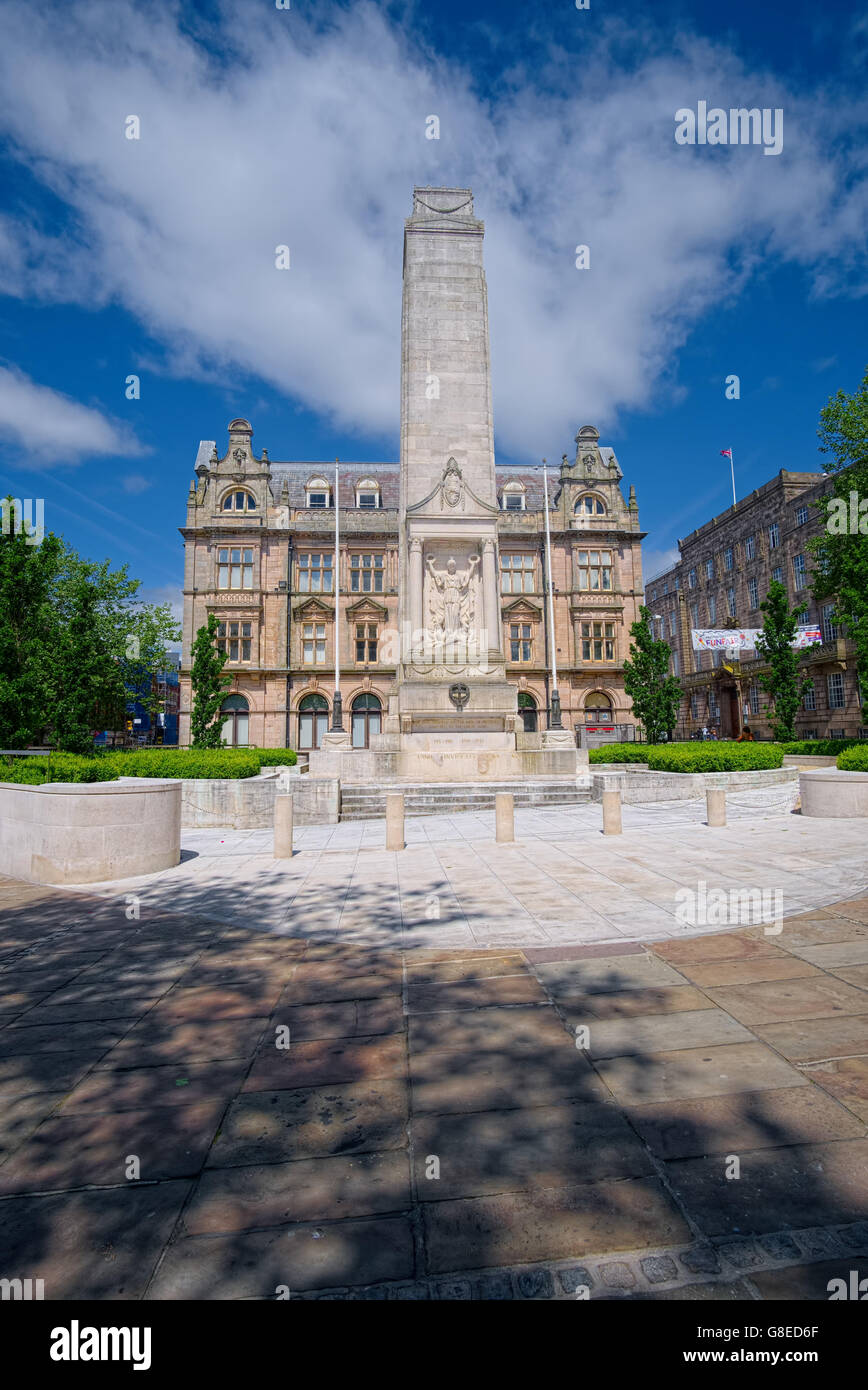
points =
(431, 1126)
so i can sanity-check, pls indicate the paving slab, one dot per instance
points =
(776, 1001)
(457, 1082)
(318, 1189)
(620, 1037)
(550, 1224)
(696, 1072)
(255, 1264)
(475, 994)
(607, 974)
(812, 1281)
(153, 1042)
(845, 1078)
(793, 1187)
(69, 1151)
(725, 946)
(343, 1018)
(273, 1126)
(509, 1030)
(811, 1040)
(147, 1088)
(633, 1003)
(749, 1120)
(326, 1061)
(92, 1245)
(520, 1150)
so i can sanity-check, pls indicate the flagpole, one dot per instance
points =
(555, 717)
(337, 706)
(732, 475)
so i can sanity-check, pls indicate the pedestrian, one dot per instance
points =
(745, 736)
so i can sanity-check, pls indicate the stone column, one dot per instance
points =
(415, 585)
(715, 801)
(504, 817)
(394, 820)
(490, 598)
(283, 825)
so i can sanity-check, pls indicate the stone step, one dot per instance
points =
(449, 798)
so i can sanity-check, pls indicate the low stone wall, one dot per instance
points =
(227, 803)
(831, 792)
(809, 760)
(637, 786)
(86, 832)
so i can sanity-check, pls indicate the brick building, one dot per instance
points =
(720, 579)
(259, 554)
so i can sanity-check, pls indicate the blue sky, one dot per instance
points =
(306, 127)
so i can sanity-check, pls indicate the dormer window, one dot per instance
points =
(590, 506)
(512, 498)
(368, 494)
(318, 493)
(239, 502)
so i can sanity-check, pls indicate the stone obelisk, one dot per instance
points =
(452, 675)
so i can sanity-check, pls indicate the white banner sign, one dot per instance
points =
(737, 639)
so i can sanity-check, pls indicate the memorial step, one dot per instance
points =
(450, 798)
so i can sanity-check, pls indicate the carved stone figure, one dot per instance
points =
(451, 598)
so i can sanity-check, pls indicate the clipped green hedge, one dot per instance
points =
(713, 757)
(619, 753)
(199, 763)
(854, 759)
(819, 747)
(275, 757)
(64, 767)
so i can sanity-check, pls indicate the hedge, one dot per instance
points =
(64, 767)
(619, 753)
(713, 757)
(275, 757)
(198, 763)
(854, 759)
(820, 747)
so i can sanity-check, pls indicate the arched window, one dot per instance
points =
(512, 497)
(368, 494)
(367, 712)
(317, 493)
(598, 709)
(528, 711)
(313, 721)
(590, 506)
(239, 501)
(236, 722)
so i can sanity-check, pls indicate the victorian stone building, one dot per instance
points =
(722, 576)
(259, 555)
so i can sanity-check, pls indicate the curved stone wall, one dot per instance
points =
(85, 832)
(831, 792)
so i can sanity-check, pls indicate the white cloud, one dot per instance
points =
(50, 426)
(656, 562)
(135, 483)
(313, 134)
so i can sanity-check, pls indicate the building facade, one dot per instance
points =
(720, 579)
(260, 555)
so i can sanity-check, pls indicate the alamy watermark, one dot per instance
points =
(737, 126)
(731, 907)
(16, 522)
(847, 518)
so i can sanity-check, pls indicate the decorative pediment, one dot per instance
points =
(314, 608)
(522, 608)
(452, 494)
(366, 608)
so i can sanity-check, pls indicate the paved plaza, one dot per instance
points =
(205, 1095)
(560, 883)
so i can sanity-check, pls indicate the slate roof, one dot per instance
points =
(387, 475)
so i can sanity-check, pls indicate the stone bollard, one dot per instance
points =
(715, 801)
(611, 811)
(504, 817)
(394, 820)
(283, 825)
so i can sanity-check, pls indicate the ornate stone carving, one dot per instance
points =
(451, 597)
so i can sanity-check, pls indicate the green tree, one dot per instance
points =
(27, 576)
(782, 681)
(655, 694)
(841, 551)
(209, 687)
(87, 679)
